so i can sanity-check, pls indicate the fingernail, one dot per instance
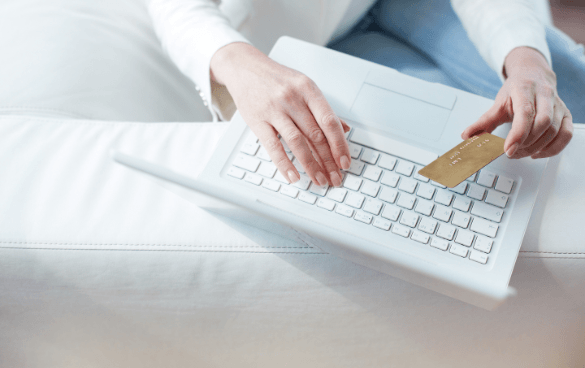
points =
(345, 162)
(321, 179)
(293, 176)
(510, 152)
(335, 178)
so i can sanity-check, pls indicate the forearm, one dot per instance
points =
(496, 27)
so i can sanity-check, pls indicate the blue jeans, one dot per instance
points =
(425, 39)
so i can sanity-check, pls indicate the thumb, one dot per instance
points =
(489, 121)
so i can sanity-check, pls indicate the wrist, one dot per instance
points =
(522, 59)
(227, 59)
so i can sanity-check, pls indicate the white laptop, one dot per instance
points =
(461, 242)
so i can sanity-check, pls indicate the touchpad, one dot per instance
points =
(399, 111)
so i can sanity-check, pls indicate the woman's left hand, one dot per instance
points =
(542, 125)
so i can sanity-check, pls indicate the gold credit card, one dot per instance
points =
(464, 159)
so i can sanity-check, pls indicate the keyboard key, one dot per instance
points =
(391, 212)
(380, 223)
(390, 179)
(366, 218)
(478, 257)
(418, 176)
(458, 250)
(484, 227)
(426, 191)
(420, 237)
(461, 219)
(462, 203)
(337, 194)
(318, 190)
(446, 231)
(487, 211)
(388, 195)
(298, 165)
(405, 168)
(308, 197)
(427, 225)
(250, 148)
(247, 162)
(387, 162)
(280, 178)
(250, 138)
(271, 185)
(497, 199)
(370, 156)
(406, 200)
(444, 197)
(439, 244)
(356, 167)
(236, 173)
(464, 237)
(408, 185)
(354, 150)
(504, 184)
(409, 219)
(253, 178)
(486, 178)
(344, 210)
(476, 192)
(289, 191)
(352, 182)
(372, 172)
(424, 207)
(303, 182)
(370, 188)
(263, 154)
(442, 213)
(460, 188)
(438, 185)
(354, 200)
(472, 177)
(325, 203)
(483, 244)
(373, 206)
(401, 230)
(267, 169)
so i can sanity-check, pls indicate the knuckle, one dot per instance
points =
(304, 82)
(295, 139)
(317, 136)
(272, 144)
(285, 93)
(527, 109)
(543, 120)
(282, 162)
(547, 91)
(330, 121)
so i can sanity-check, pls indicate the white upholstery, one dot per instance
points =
(101, 266)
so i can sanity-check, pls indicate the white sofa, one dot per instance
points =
(103, 267)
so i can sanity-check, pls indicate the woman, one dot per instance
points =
(423, 38)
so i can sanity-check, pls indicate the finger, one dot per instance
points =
(546, 138)
(523, 105)
(489, 121)
(331, 126)
(295, 140)
(563, 138)
(543, 120)
(270, 141)
(318, 141)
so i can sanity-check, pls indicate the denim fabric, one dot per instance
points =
(425, 39)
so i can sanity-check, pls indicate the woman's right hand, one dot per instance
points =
(274, 99)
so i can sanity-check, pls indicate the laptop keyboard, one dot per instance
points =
(386, 192)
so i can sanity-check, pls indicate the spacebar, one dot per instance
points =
(393, 147)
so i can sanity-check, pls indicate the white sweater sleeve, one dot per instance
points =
(497, 26)
(191, 31)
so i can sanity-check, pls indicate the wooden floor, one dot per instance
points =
(569, 16)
